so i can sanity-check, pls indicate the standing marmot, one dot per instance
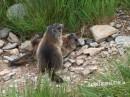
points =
(49, 55)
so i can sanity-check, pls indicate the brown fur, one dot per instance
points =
(49, 55)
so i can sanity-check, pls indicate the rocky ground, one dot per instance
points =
(86, 64)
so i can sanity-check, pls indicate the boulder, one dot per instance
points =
(101, 32)
(16, 12)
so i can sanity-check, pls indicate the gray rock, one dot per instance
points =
(4, 72)
(128, 28)
(4, 33)
(13, 51)
(16, 12)
(10, 58)
(13, 38)
(10, 46)
(101, 32)
(94, 44)
(2, 43)
(123, 40)
(81, 41)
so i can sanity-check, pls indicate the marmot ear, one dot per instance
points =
(49, 28)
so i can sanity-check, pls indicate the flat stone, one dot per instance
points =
(10, 46)
(101, 32)
(4, 33)
(71, 60)
(13, 51)
(2, 43)
(9, 76)
(128, 28)
(13, 38)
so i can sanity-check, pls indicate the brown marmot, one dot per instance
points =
(48, 54)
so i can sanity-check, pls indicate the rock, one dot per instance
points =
(13, 51)
(115, 35)
(4, 33)
(101, 32)
(76, 69)
(112, 24)
(123, 40)
(81, 57)
(1, 51)
(10, 46)
(10, 58)
(13, 38)
(92, 51)
(9, 76)
(79, 62)
(118, 26)
(4, 72)
(88, 41)
(94, 44)
(109, 39)
(81, 41)
(67, 64)
(72, 60)
(89, 69)
(128, 28)
(26, 45)
(16, 12)
(2, 43)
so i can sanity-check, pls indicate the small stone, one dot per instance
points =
(2, 43)
(128, 28)
(94, 44)
(112, 24)
(4, 33)
(92, 51)
(67, 64)
(81, 41)
(101, 32)
(13, 51)
(89, 69)
(10, 46)
(81, 57)
(79, 62)
(115, 35)
(13, 38)
(71, 60)
(123, 40)
(9, 76)
(10, 58)
(26, 46)
(76, 69)
(4, 72)
(118, 26)
(1, 51)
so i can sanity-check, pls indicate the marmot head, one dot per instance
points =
(55, 30)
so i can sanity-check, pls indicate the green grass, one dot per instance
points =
(72, 13)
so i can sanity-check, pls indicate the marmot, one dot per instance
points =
(49, 54)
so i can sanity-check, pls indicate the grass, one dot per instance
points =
(72, 13)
